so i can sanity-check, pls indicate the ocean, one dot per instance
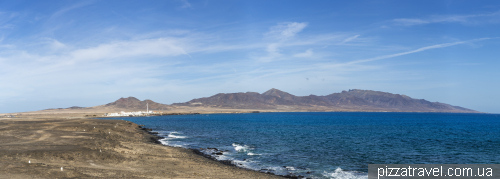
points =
(333, 144)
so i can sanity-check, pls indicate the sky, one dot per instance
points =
(58, 54)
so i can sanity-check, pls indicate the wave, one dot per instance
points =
(240, 148)
(341, 174)
(176, 136)
(248, 163)
(289, 168)
(169, 136)
(166, 142)
(250, 153)
(256, 165)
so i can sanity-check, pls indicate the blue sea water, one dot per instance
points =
(334, 144)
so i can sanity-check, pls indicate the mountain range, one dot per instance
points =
(275, 100)
(352, 100)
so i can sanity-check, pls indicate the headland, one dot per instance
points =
(69, 145)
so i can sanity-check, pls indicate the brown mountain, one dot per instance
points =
(132, 103)
(352, 100)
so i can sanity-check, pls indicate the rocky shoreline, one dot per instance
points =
(58, 147)
(215, 151)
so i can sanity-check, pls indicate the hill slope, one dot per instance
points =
(132, 103)
(352, 100)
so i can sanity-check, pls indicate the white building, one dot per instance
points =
(137, 113)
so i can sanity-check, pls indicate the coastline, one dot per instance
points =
(64, 146)
(156, 139)
(38, 145)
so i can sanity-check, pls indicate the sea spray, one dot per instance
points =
(240, 148)
(341, 174)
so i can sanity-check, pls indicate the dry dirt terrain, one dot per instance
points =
(68, 146)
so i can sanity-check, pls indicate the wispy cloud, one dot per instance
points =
(286, 30)
(7, 26)
(280, 34)
(348, 39)
(125, 49)
(26, 70)
(420, 50)
(410, 22)
(465, 19)
(5, 18)
(272, 53)
(161, 60)
(152, 65)
(185, 4)
(306, 54)
(54, 44)
(69, 8)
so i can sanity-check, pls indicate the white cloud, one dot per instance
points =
(280, 34)
(56, 45)
(143, 64)
(67, 9)
(7, 26)
(419, 50)
(273, 53)
(410, 22)
(348, 39)
(125, 49)
(185, 4)
(105, 68)
(307, 53)
(465, 19)
(286, 30)
(6, 19)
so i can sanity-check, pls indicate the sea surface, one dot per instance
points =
(333, 144)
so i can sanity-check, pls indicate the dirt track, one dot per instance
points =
(39, 147)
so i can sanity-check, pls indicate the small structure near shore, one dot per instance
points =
(137, 113)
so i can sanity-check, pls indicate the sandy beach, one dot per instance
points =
(73, 146)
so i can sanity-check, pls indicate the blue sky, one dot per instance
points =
(86, 53)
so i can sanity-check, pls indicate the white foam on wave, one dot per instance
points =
(278, 170)
(163, 141)
(176, 136)
(250, 153)
(228, 155)
(240, 148)
(289, 168)
(341, 174)
(212, 152)
(167, 143)
(162, 133)
(223, 157)
(248, 164)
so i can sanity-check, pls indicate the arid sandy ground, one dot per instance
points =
(100, 110)
(71, 146)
